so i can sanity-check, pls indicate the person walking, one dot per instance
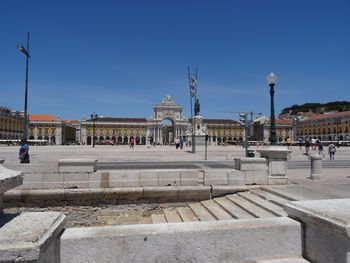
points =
(320, 149)
(289, 142)
(177, 143)
(181, 143)
(331, 150)
(300, 141)
(132, 143)
(307, 147)
(24, 152)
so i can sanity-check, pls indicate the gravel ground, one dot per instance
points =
(101, 215)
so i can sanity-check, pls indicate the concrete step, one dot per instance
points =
(216, 210)
(186, 214)
(299, 192)
(284, 260)
(231, 208)
(201, 212)
(146, 220)
(264, 204)
(158, 219)
(172, 216)
(249, 207)
(270, 197)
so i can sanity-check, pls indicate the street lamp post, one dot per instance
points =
(25, 118)
(93, 118)
(272, 82)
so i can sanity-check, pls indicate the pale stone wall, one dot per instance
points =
(215, 241)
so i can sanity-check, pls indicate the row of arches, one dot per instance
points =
(10, 136)
(118, 140)
(328, 138)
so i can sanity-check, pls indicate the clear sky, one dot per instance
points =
(119, 58)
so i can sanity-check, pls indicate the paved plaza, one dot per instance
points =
(141, 153)
(120, 153)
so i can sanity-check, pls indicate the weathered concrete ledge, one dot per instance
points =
(168, 193)
(213, 241)
(8, 179)
(32, 237)
(326, 227)
(255, 170)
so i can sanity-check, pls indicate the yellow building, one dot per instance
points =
(11, 124)
(325, 127)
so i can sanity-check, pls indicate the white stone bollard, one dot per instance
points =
(316, 167)
(277, 161)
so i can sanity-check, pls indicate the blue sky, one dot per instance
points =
(119, 58)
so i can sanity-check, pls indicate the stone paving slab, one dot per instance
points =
(106, 153)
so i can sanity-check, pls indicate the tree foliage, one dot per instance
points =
(318, 107)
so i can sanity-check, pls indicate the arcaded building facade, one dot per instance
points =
(153, 129)
(11, 124)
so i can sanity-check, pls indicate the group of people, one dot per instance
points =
(316, 144)
(179, 143)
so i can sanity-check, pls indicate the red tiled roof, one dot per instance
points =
(327, 116)
(282, 121)
(42, 117)
(72, 121)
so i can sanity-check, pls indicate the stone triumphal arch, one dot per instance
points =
(168, 110)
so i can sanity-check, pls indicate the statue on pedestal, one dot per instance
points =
(197, 108)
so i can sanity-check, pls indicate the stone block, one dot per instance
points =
(326, 227)
(77, 165)
(256, 177)
(84, 194)
(53, 185)
(54, 177)
(95, 179)
(277, 180)
(189, 178)
(278, 167)
(34, 168)
(221, 190)
(31, 178)
(168, 178)
(9, 179)
(236, 177)
(193, 193)
(124, 179)
(31, 186)
(72, 185)
(251, 164)
(148, 178)
(131, 193)
(75, 177)
(216, 177)
(201, 177)
(169, 193)
(234, 241)
(274, 152)
(32, 237)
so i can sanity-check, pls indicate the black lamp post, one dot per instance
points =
(272, 82)
(25, 118)
(93, 118)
